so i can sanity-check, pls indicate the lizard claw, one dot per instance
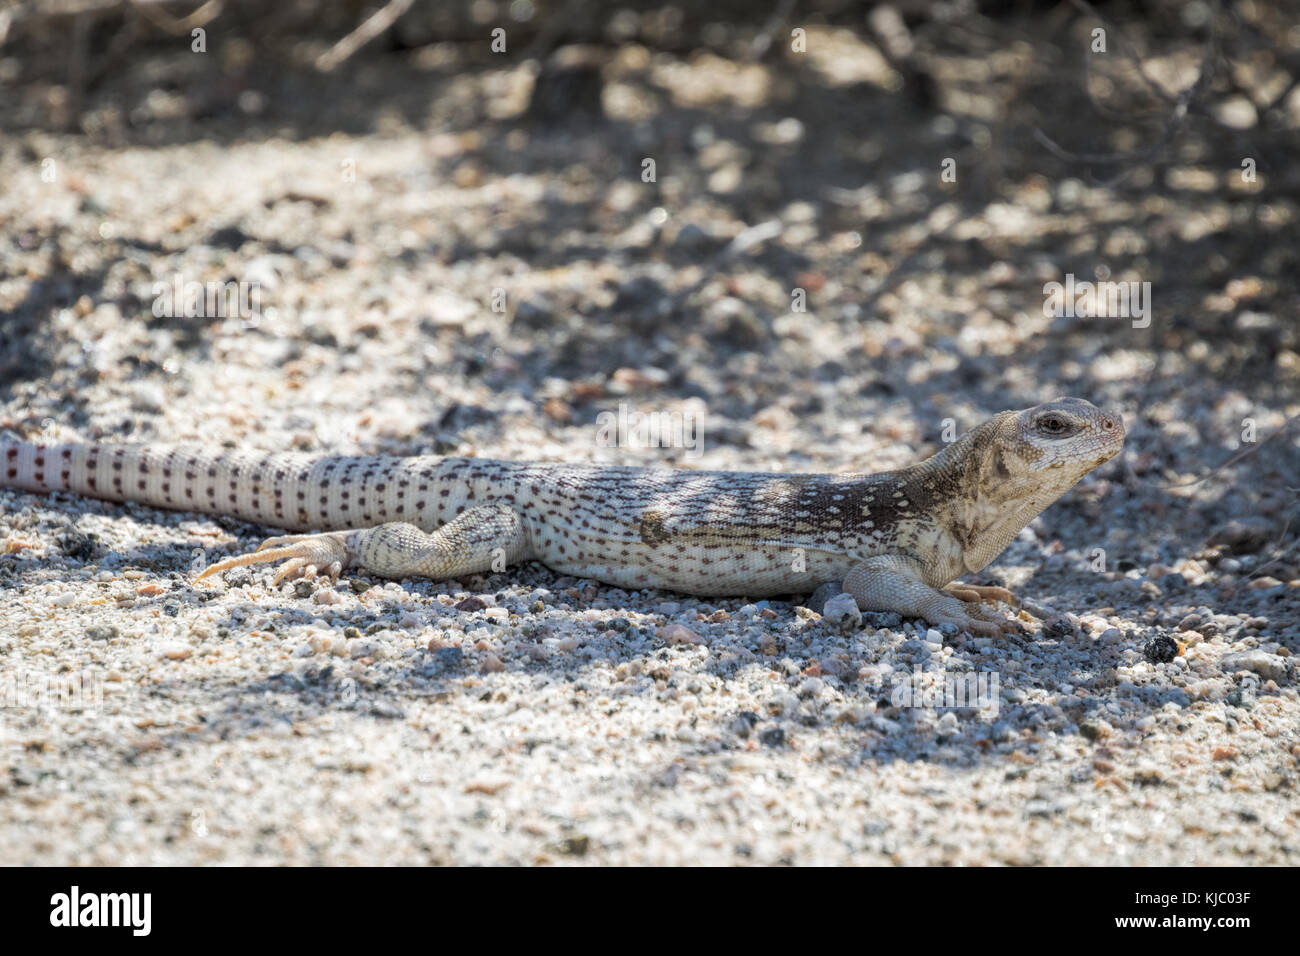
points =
(304, 555)
(301, 567)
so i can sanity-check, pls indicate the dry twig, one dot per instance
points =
(370, 29)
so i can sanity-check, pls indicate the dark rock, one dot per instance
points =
(882, 619)
(817, 600)
(1059, 627)
(1243, 537)
(1161, 650)
(229, 237)
(535, 313)
(449, 657)
(78, 545)
(575, 845)
(642, 298)
(568, 88)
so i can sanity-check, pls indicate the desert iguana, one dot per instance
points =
(896, 539)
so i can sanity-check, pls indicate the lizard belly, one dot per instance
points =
(703, 569)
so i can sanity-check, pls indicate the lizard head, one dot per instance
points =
(1028, 459)
(1060, 441)
(1019, 462)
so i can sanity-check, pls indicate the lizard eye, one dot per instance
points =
(1052, 425)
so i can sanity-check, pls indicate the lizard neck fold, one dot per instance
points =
(972, 491)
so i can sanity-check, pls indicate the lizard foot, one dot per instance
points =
(978, 592)
(1001, 624)
(981, 626)
(995, 627)
(304, 555)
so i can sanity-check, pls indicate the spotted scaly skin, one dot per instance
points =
(894, 540)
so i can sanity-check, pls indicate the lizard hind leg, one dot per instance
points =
(484, 538)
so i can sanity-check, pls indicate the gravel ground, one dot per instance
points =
(1149, 717)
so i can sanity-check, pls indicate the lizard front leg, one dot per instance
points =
(488, 537)
(894, 583)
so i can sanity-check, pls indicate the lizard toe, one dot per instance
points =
(293, 568)
(980, 592)
(994, 594)
(981, 623)
(281, 541)
(983, 628)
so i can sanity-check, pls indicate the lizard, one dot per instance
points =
(895, 540)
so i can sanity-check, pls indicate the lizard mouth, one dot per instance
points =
(1107, 455)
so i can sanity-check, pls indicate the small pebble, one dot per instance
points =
(842, 612)
(1271, 666)
(1161, 650)
(678, 634)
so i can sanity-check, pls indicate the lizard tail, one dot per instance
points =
(158, 475)
(37, 467)
(290, 490)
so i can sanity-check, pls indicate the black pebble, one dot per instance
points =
(1162, 650)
